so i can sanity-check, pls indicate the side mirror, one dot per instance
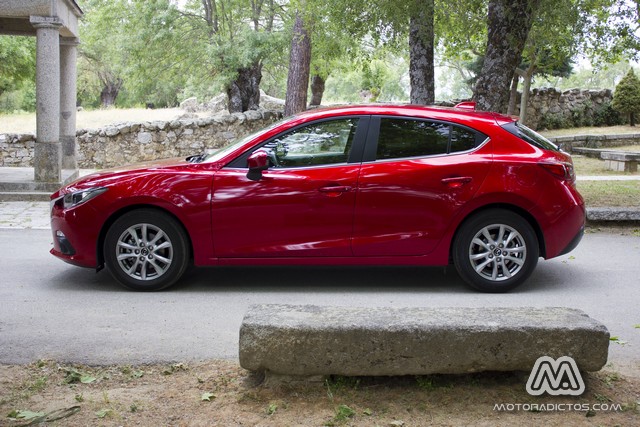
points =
(257, 162)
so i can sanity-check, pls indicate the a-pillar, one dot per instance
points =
(68, 56)
(47, 160)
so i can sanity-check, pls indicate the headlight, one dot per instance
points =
(74, 199)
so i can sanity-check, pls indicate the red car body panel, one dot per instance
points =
(298, 212)
(401, 211)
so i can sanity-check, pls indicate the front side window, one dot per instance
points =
(322, 143)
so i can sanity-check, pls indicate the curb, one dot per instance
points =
(613, 214)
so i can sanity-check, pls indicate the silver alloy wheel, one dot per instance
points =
(144, 252)
(497, 252)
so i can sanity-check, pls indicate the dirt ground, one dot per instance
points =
(220, 393)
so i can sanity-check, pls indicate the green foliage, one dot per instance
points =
(606, 115)
(207, 396)
(343, 413)
(626, 98)
(17, 62)
(384, 78)
(553, 121)
(75, 376)
(24, 415)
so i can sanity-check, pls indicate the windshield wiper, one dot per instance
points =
(197, 158)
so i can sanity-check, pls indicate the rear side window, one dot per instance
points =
(530, 136)
(402, 138)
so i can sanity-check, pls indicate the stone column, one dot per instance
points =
(47, 160)
(68, 57)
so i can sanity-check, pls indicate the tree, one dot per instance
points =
(508, 24)
(299, 68)
(235, 37)
(17, 61)
(626, 98)
(103, 46)
(388, 24)
(421, 41)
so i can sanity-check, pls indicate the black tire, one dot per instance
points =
(143, 266)
(480, 259)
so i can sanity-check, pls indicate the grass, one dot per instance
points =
(590, 166)
(610, 193)
(632, 148)
(607, 130)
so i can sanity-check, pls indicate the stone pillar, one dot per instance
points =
(47, 160)
(68, 57)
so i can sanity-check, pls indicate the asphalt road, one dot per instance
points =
(52, 310)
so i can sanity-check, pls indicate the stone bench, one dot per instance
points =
(287, 340)
(621, 161)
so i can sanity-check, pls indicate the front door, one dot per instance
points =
(303, 204)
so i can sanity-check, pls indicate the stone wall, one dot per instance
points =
(128, 143)
(549, 108)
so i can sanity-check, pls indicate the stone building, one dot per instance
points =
(55, 25)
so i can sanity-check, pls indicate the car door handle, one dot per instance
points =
(335, 189)
(456, 181)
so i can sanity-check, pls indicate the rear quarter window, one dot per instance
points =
(530, 136)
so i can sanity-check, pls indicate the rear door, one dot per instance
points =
(416, 175)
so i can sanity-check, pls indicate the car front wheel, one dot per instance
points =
(495, 251)
(146, 250)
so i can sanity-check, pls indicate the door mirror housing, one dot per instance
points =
(257, 162)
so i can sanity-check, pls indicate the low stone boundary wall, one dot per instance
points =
(128, 143)
(596, 141)
(310, 340)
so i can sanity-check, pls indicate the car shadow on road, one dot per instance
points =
(279, 279)
(298, 279)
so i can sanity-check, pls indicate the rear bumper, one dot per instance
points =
(574, 242)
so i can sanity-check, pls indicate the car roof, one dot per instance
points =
(458, 115)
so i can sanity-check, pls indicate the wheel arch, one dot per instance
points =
(122, 211)
(508, 207)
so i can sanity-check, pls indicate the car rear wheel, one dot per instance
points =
(146, 250)
(495, 250)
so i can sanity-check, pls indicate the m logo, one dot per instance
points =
(556, 377)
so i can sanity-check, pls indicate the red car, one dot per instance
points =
(357, 185)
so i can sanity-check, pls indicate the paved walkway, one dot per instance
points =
(22, 215)
(608, 178)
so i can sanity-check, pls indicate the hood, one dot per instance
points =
(122, 174)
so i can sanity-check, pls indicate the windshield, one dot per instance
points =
(218, 154)
(531, 136)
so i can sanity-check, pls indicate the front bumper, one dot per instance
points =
(76, 233)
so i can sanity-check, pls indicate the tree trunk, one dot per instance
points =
(421, 39)
(632, 119)
(508, 24)
(317, 90)
(110, 91)
(526, 87)
(244, 91)
(299, 69)
(513, 96)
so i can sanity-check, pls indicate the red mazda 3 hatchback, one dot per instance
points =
(359, 185)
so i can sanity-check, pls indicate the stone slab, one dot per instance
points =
(312, 340)
(620, 156)
(613, 214)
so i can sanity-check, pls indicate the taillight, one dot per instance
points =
(561, 170)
